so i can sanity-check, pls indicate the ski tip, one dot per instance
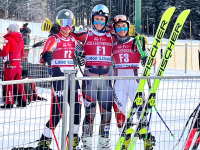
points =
(172, 8)
(186, 12)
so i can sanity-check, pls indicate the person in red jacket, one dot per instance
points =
(13, 50)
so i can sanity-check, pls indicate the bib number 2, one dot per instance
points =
(68, 54)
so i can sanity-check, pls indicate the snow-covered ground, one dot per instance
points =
(175, 101)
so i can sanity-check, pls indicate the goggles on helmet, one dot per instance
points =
(100, 9)
(66, 22)
(120, 18)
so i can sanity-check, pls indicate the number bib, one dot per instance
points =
(125, 57)
(98, 49)
(64, 53)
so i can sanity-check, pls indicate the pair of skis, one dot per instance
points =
(151, 101)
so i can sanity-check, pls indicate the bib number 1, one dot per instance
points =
(100, 49)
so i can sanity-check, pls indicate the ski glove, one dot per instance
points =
(47, 57)
(143, 61)
(41, 43)
(47, 25)
(81, 60)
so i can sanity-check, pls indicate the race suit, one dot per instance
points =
(63, 53)
(13, 51)
(127, 64)
(97, 48)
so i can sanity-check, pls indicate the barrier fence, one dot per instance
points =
(185, 56)
(177, 97)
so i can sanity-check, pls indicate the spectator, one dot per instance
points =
(26, 37)
(13, 50)
(110, 29)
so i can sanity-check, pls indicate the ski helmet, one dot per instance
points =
(101, 10)
(120, 18)
(65, 18)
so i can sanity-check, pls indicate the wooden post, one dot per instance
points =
(186, 57)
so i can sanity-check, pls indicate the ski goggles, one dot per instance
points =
(125, 29)
(67, 27)
(120, 18)
(66, 22)
(99, 22)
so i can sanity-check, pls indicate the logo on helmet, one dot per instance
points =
(67, 13)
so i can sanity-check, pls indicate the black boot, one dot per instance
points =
(7, 106)
(21, 104)
(44, 143)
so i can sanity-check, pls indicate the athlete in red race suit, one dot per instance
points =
(62, 47)
(13, 50)
(127, 57)
(98, 49)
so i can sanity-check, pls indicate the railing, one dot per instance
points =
(185, 56)
(177, 97)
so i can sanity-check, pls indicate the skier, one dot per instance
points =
(55, 49)
(97, 47)
(126, 56)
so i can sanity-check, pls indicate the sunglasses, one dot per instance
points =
(66, 22)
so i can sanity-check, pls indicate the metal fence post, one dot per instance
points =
(72, 107)
(64, 112)
(186, 45)
(68, 74)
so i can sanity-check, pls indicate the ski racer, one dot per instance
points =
(127, 57)
(60, 48)
(97, 48)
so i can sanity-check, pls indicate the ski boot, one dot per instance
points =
(76, 140)
(44, 143)
(7, 106)
(149, 142)
(104, 143)
(126, 142)
(87, 143)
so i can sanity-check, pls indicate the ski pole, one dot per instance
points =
(148, 124)
(164, 122)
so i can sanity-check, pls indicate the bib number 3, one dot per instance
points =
(124, 57)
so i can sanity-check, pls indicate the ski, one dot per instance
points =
(193, 115)
(196, 144)
(138, 101)
(141, 130)
(193, 138)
